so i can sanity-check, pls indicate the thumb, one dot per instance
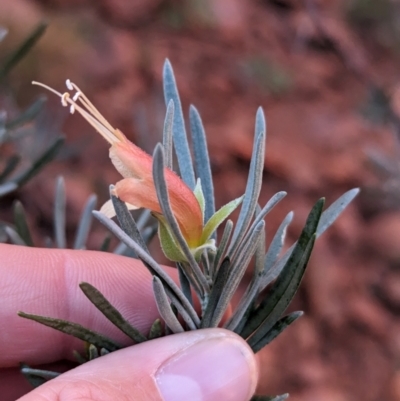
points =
(202, 365)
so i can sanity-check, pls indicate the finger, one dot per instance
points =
(12, 384)
(204, 365)
(46, 282)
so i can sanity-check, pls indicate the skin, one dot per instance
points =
(45, 282)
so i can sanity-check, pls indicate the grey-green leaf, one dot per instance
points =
(110, 312)
(37, 377)
(327, 218)
(46, 157)
(126, 221)
(252, 192)
(59, 214)
(155, 330)
(21, 224)
(202, 161)
(164, 307)
(288, 281)
(149, 262)
(14, 58)
(85, 223)
(9, 167)
(75, 330)
(270, 397)
(168, 134)
(276, 329)
(180, 139)
(29, 114)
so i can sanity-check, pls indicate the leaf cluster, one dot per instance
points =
(214, 278)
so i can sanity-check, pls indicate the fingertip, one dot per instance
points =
(219, 367)
(202, 365)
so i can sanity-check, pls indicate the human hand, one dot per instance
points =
(203, 365)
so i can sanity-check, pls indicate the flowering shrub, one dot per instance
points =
(184, 207)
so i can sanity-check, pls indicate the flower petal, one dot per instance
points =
(186, 209)
(130, 160)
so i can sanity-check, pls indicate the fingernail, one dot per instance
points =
(220, 369)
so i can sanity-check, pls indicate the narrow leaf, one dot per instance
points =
(279, 304)
(265, 210)
(21, 224)
(180, 139)
(149, 262)
(185, 284)
(260, 125)
(92, 352)
(260, 251)
(7, 188)
(216, 291)
(22, 50)
(14, 236)
(236, 274)
(155, 330)
(75, 330)
(277, 243)
(29, 114)
(202, 161)
(37, 377)
(270, 397)
(59, 214)
(168, 134)
(164, 307)
(46, 157)
(177, 305)
(110, 312)
(276, 329)
(219, 217)
(85, 223)
(334, 210)
(327, 218)
(252, 192)
(126, 221)
(45, 374)
(234, 323)
(143, 219)
(288, 281)
(222, 246)
(10, 166)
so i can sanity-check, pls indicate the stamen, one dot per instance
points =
(87, 110)
(64, 99)
(68, 83)
(76, 96)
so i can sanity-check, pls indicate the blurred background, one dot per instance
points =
(326, 73)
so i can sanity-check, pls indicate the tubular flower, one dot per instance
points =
(137, 187)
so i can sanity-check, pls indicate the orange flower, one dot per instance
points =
(137, 188)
